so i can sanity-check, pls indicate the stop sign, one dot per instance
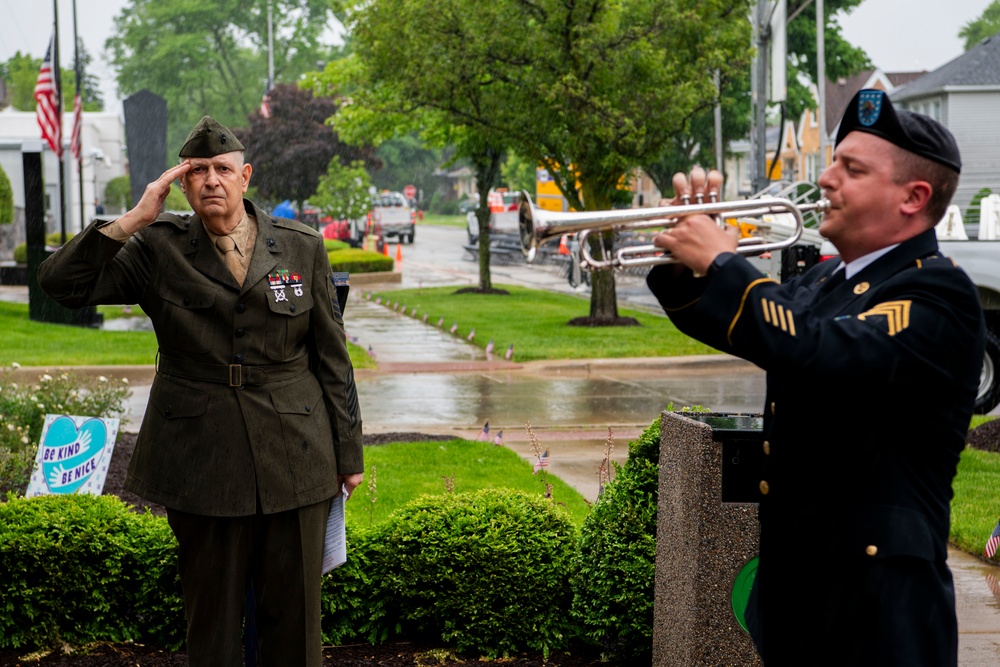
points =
(410, 191)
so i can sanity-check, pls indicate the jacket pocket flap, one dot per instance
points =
(185, 294)
(173, 404)
(298, 401)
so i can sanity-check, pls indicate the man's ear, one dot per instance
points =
(918, 195)
(247, 170)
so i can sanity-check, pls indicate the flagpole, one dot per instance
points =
(57, 77)
(78, 133)
(270, 49)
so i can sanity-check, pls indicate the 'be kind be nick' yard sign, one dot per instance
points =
(73, 456)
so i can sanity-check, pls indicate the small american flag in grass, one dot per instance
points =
(543, 462)
(993, 542)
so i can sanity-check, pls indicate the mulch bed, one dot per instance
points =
(389, 654)
(986, 436)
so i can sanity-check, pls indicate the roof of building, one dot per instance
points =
(979, 66)
(840, 92)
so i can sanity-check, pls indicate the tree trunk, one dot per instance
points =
(487, 165)
(603, 292)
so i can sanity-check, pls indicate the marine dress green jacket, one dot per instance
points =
(254, 398)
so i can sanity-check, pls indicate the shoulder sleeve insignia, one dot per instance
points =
(896, 314)
(777, 316)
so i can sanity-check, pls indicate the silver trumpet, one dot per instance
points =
(538, 225)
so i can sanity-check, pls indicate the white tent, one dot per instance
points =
(951, 227)
(989, 218)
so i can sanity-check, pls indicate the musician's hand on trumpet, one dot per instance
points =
(696, 240)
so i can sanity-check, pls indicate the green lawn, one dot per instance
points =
(976, 506)
(535, 322)
(404, 471)
(442, 220)
(31, 343)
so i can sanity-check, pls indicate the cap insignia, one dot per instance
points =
(869, 107)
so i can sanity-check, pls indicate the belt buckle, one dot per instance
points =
(236, 376)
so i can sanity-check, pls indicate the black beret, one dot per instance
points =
(208, 139)
(871, 111)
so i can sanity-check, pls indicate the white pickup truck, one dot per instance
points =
(503, 217)
(981, 260)
(391, 212)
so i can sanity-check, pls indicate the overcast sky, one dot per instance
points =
(899, 35)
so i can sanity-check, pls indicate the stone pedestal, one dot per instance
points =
(706, 533)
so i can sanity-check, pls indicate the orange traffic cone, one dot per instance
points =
(399, 252)
(385, 249)
(563, 248)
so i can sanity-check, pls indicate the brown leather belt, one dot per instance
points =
(234, 375)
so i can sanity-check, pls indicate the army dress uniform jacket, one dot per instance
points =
(254, 397)
(870, 387)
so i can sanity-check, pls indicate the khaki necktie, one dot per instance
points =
(227, 246)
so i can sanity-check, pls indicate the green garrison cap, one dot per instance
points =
(208, 139)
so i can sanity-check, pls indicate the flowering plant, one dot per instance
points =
(23, 406)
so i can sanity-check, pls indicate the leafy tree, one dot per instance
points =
(21, 75)
(987, 25)
(696, 145)
(342, 193)
(118, 195)
(842, 58)
(519, 173)
(382, 108)
(211, 57)
(176, 200)
(407, 160)
(6, 199)
(588, 89)
(292, 149)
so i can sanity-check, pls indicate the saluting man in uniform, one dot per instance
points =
(872, 367)
(253, 422)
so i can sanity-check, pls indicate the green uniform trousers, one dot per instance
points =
(281, 554)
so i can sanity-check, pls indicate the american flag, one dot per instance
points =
(543, 462)
(265, 102)
(485, 433)
(498, 440)
(993, 542)
(74, 142)
(47, 97)
(993, 585)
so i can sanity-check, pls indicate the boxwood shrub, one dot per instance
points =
(486, 571)
(82, 568)
(613, 588)
(53, 240)
(355, 260)
(334, 244)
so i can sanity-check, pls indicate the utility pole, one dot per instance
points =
(821, 81)
(759, 96)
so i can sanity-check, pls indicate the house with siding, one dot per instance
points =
(838, 95)
(964, 95)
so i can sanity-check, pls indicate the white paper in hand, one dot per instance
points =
(335, 542)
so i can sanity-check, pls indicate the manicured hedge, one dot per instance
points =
(487, 572)
(82, 568)
(355, 260)
(613, 589)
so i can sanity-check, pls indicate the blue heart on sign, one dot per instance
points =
(70, 455)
